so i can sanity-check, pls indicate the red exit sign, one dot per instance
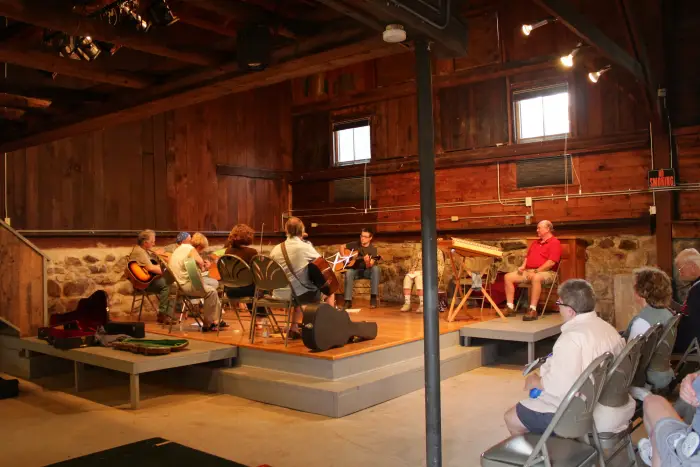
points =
(662, 178)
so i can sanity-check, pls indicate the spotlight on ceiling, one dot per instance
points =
(86, 48)
(595, 76)
(161, 14)
(128, 8)
(253, 48)
(528, 28)
(568, 60)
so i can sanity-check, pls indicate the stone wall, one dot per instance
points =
(77, 272)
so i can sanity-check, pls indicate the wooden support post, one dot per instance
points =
(665, 205)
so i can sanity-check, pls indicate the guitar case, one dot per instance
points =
(77, 328)
(325, 327)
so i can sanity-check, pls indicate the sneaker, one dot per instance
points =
(406, 307)
(223, 324)
(420, 309)
(645, 450)
(373, 302)
(639, 393)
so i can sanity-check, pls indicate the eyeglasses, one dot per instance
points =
(560, 303)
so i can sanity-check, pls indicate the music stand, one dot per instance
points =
(465, 273)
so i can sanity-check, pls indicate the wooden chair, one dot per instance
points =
(234, 273)
(572, 423)
(616, 394)
(268, 276)
(528, 286)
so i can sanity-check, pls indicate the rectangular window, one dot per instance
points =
(351, 142)
(541, 114)
(544, 172)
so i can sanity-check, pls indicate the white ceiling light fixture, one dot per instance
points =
(568, 60)
(394, 33)
(528, 28)
(595, 76)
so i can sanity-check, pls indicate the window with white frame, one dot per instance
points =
(541, 114)
(351, 142)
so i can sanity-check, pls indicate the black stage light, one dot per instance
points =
(87, 49)
(161, 14)
(128, 8)
(253, 48)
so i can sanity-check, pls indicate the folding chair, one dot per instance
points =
(661, 359)
(616, 394)
(137, 301)
(189, 308)
(528, 286)
(572, 423)
(268, 276)
(234, 273)
(691, 354)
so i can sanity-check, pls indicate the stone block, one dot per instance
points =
(90, 259)
(606, 243)
(76, 288)
(628, 244)
(110, 258)
(624, 303)
(72, 261)
(53, 288)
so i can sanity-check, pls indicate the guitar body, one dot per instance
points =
(139, 277)
(322, 276)
(214, 268)
(325, 327)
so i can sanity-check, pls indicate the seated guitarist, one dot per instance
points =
(363, 268)
(212, 304)
(145, 258)
(299, 253)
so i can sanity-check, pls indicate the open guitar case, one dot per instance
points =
(78, 328)
(325, 327)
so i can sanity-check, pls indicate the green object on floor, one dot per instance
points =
(151, 346)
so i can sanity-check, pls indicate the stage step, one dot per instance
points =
(342, 396)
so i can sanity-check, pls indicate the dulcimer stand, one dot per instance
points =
(465, 273)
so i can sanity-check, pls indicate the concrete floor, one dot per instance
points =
(49, 423)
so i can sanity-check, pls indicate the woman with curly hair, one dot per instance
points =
(652, 290)
(238, 242)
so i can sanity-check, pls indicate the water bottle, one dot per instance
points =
(535, 393)
(265, 329)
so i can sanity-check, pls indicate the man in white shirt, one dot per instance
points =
(300, 253)
(584, 337)
(212, 304)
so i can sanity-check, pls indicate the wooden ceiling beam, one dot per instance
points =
(124, 110)
(54, 63)
(53, 94)
(23, 103)
(577, 23)
(353, 13)
(11, 114)
(51, 15)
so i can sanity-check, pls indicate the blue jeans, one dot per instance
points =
(372, 274)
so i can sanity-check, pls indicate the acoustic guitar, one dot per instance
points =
(325, 327)
(354, 256)
(139, 276)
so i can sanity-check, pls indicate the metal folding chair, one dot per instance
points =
(616, 394)
(528, 286)
(188, 308)
(235, 273)
(139, 296)
(572, 423)
(268, 276)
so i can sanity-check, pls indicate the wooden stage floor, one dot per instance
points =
(394, 328)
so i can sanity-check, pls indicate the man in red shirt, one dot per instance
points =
(539, 268)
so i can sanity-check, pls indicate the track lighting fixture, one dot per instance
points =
(86, 48)
(528, 28)
(128, 8)
(161, 14)
(568, 60)
(595, 76)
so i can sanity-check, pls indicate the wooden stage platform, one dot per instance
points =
(394, 328)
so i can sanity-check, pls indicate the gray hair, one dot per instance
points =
(144, 235)
(547, 224)
(688, 256)
(577, 294)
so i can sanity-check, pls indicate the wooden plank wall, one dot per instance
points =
(161, 172)
(475, 115)
(21, 285)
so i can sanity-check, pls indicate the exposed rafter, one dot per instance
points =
(156, 101)
(51, 15)
(79, 69)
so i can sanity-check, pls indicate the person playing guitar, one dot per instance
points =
(144, 257)
(362, 267)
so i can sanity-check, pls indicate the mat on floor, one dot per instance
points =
(149, 453)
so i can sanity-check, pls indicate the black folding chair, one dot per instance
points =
(235, 273)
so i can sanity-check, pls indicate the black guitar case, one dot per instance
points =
(325, 327)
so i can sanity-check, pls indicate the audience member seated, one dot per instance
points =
(415, 276)
(365, 267)
(671, 442)
(540, 266)
(300, 253)
(212, 303)
(237, 244)
(652, 290)
(584, 337)
(688, 266)
(183, 237)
